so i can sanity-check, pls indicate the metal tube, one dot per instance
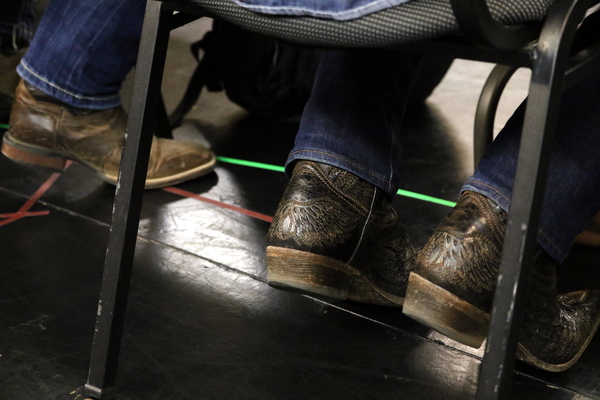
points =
(483, 129)
(127, 204)
(550, 63)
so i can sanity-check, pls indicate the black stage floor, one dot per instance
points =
(202, 323)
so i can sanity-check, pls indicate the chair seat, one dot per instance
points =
(415, 21)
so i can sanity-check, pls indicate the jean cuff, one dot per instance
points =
(488, 191)
(67, 96)
(343, 163)
(558, 253)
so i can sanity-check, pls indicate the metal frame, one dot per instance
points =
(485, 114)
(583, 63)
(476, 22)
(127, 205)
(550, 62)
(551, 72)
(163, 123)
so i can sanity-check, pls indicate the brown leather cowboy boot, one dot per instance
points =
(453, 282)
(337, 235)
(45, 133)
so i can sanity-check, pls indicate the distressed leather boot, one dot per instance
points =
(557, 328)
(452, 286)
(44, 132)
(337, 235)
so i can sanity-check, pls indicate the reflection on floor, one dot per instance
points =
(202, 323)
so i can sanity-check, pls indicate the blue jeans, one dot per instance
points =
(83, 49)
(352, 119)
(16, 18)
(352, 122)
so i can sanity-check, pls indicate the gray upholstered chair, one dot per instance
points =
(533, 33)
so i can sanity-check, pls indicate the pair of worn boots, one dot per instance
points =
(336, 235)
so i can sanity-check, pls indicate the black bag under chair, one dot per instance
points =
(534, 33)
(268, 76)
(263, 75)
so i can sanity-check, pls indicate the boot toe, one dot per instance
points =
(172, 162)
(570, 333)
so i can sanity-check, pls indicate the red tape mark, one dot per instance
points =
(25, 214)
(191, 195)
(24, 210)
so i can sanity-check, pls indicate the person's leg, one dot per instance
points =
(83, 50)
(335, 232)
(68, 105)
(452, 286)
(352, 119)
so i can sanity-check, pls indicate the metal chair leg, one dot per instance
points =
(128, 202)
(163, 126)
(483, 131)
(547, 80)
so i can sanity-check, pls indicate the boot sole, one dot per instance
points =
(308, 273)
(438, 309)
(32, 156)
(39, 157)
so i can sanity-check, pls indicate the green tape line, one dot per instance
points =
(423, 197)
(253, 164)
(277, 168)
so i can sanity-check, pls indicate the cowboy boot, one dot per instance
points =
(557, 328)
(45, 132)
(337, 235)
(452, 286)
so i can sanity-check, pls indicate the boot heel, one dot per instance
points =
(31, 156)
(445, 312)
(304, 272)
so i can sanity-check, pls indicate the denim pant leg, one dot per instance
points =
(572, 195)
(83, 49)
(353, 116)
(16, 19)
